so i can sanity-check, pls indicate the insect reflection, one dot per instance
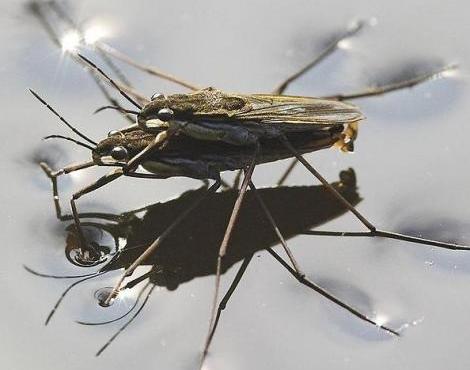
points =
(192, 250)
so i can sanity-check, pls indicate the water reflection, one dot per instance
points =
(191, 251)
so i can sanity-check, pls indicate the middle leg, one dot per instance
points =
(373, 231)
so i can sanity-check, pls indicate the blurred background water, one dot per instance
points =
(410, 162)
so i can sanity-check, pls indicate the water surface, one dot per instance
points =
(410, 164)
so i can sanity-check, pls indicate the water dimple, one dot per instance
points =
(87, 257)
(102, 294)
(84, 258)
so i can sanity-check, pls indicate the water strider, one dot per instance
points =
(208, 131)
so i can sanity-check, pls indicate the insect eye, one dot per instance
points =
(119, 153)
(165, 114)
(157, 96)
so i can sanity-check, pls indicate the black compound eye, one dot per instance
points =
(119, 153)
(165, 114)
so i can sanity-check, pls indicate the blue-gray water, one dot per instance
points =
(410, 162)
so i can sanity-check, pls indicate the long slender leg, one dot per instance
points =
(327, 51)
(109, 50)
(372, 229)
(389, 235)
(102, 181)
(301, 276)
(55, 191)
(225, 299)
(246, 261)
(271, 220)
(68, 217)
(159, 240)
(400, 85)
(111, 176)
(303, 280)
(337, 195)
(376, 91)
(75, 167)
(224, 246)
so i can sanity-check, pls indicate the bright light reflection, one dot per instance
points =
(70, 41)
(345, 44)
(381, 320)
(94, 33)
(451, 72)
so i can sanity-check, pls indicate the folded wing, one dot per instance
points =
(297, 110)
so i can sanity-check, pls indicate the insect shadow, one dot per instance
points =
(192, 250)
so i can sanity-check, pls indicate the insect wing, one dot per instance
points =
(297, 110)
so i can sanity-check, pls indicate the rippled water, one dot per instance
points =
(411, 172)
